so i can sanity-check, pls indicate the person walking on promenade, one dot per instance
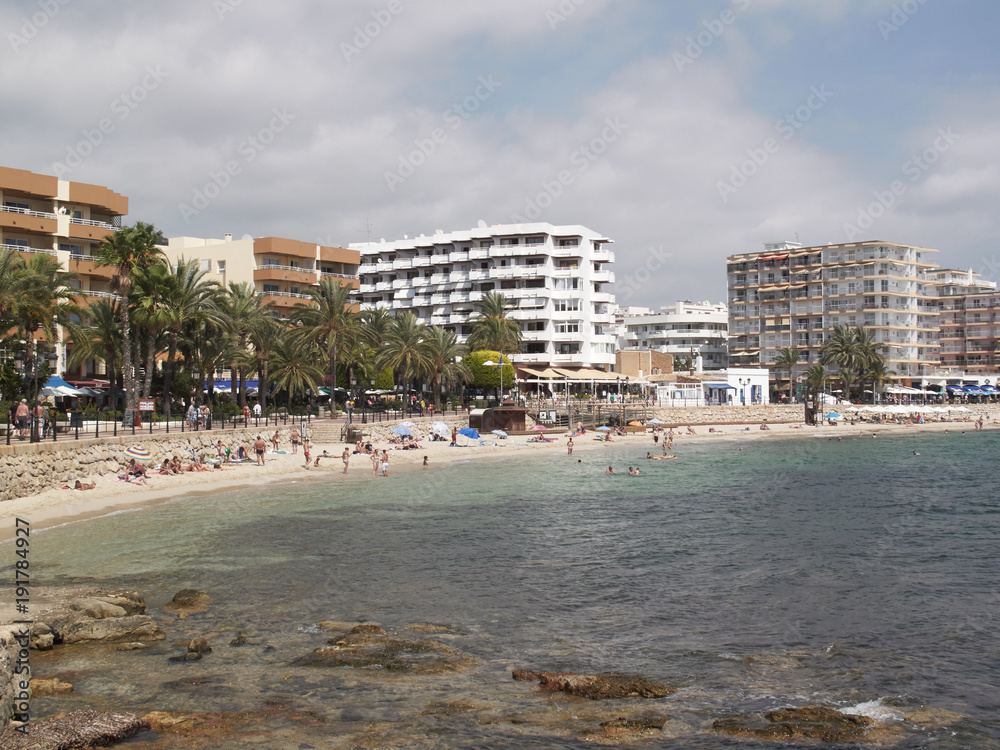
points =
(22, 414)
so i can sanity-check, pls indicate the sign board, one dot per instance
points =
(146, 405)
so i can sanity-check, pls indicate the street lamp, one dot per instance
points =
(569, 405)
(743, 383)
(499, 366)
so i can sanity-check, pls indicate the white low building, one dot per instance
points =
(683, 329)
(558, 278)
(733, 387)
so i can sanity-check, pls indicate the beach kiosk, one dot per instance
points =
(507, 418)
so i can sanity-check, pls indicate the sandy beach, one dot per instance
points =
(61, 506)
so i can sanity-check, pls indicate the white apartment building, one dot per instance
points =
(791, 295)
(558, 278)
(682, 329)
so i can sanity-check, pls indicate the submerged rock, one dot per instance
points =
(97, 609)
(43, 686)
(241, 639)
(74, 730)
(188, 602)
(367, 646)
(812, 722)
(199, 646)
(132, 628)
(623, 728)
(603, 686)
(189, 656)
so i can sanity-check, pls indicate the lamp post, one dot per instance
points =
(743, 383)
(569, 405)
(499, 366)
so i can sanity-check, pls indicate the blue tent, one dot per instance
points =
(55, 381)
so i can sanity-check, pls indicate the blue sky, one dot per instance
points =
(695, 169)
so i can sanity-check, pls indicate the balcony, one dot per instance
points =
(27, 252)
(285, 300)
(279, 246)
(291, 274)
(85, 265)
(26, 220)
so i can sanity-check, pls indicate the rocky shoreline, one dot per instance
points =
(626, 707)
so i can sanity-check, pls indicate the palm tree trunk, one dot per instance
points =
(437, 392)
(128, 376)
(147, 385)
(262, 385)
(168, 373)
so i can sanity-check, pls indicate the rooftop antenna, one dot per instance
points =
(368, 229)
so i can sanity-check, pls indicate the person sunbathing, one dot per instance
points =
(84, 485)
(166, 467)
(136, 471)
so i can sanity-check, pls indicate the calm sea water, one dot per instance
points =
(851, 574)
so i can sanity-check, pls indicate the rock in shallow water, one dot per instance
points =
(188, 601)
(812, 722)
(603, 686)
(370, 647)
(74, 730)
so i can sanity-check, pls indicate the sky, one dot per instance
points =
(684, 130)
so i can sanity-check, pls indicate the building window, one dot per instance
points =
(509, 241)
(206, 265)
(569, 243)
(221, 266)
(270, 288)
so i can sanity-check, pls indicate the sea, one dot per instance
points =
(857, 573)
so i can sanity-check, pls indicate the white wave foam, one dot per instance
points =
(873, 710)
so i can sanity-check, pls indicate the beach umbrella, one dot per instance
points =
(833, 415)
(401, 430)
(656, 421)
(139, 454)
(633, 423)
(440, 428)
(540, 427)
(469, 433)
(500, 433)
(603, 428)
(408, 423)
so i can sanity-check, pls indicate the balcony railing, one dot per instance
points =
(300, 269)
(91, 223)
(24, 249)
(287, 294)
(98, 295)
(27, 212)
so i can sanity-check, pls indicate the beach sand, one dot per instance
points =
(61, 506)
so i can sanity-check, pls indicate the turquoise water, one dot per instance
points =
(852, 574)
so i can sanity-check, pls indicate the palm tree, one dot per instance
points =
(405, 350)
(444, 352)
(815, 379)
(193, 298)
(265, 338)
(246, 313)
(295, 367)
(788, 357)
(130, 250)
(853, 350)
(153, 312)
(879, 374)
(97, 337)
(492, 329)
(329, 323)
(11, 264)
(40, 301)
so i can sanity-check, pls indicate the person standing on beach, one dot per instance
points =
(385, 463)
(346, 458)
(375, 463)
(259, 447)
(274, 440)
(306, 445)
(295, 441)
(569, 447)
(454, 436)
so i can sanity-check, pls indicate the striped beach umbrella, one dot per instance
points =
(139, 454)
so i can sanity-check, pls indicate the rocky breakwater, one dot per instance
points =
(29, 468)
(116, 616)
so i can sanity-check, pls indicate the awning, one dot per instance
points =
(989, 389)
(719, 386)
(955, 389)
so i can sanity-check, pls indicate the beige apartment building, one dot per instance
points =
(969, 321)
(789, 295)
(280, 269)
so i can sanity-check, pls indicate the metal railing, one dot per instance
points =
(92, 223)
(27, 212)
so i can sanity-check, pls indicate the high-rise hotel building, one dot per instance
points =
(789, 295)
(558, 278)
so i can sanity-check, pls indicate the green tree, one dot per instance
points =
(296, 368)
(193, 299)
(815, 380)
(329, 323)
(98, 336)
(245, 313)
(878, 374)
(445, 366)
(405, 350)
(490, 376)
(492, 329)
(130, 250)
(788, 357)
